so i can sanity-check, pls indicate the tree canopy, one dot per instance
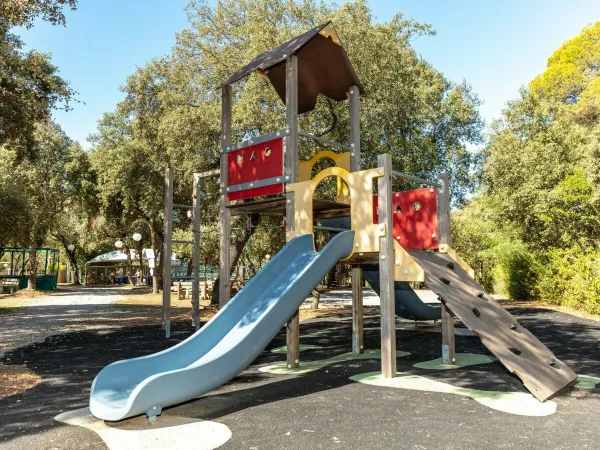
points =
(540, 182)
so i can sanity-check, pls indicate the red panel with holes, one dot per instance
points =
(415, 218)
(254, 163)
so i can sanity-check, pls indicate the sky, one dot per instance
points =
(496, 46)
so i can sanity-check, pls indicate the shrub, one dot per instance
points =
(570, 277)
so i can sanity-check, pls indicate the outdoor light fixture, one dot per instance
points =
(268, 256)
(190, 214)
(71, 247)
(137, 237)
(119, 243)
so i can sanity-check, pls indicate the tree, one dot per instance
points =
(24, 12)
(43, 180)
(29, 84)
(540, 183)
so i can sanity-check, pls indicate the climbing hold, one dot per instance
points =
(513, 326)
(253, 156)
(551, 362)
(515, 350)
(476, 312)
(444, 280)
(480, 294)
(450, 265)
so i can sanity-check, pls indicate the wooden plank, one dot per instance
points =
(357, 275)
(358, 340)
(291, 170)
(448, 341)
(167, 250)
(386, 269)
(354, 128)
(292, 340)
(277, 206)
(514, 346)
(448, 347)
(224, 213)
(444, 210)
(196, 252)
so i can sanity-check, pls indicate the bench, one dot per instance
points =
(184, 290)
(10, 284)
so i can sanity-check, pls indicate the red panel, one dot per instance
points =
(415, 218)
(253, 164)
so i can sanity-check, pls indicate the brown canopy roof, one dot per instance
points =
(323, 67)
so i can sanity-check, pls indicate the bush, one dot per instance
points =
(570, 277)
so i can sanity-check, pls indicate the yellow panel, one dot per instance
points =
(340, 159)
(405, 267)
(445, 248)
(360, 184)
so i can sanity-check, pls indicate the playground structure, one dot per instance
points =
(395, 237)
(15, 266)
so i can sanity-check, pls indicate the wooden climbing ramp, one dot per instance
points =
(542, 373)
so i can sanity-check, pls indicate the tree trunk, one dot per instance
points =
(237, 247)
(129, 265)
(157, 239)
(31, 283)
(71, 257)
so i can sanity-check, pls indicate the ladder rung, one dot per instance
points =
(177, 241)
(175, 205)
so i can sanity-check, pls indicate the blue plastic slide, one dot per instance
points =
(227, 344)
(408, 304)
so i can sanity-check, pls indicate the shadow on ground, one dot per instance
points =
(68, 363)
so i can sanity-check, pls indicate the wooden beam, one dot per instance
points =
(224, 213)
(292, 340)
(448, 352)
(444, 240)
(291, 170)
(357, 273)
(354, 128)
(196, 252)
(444, 210)
(386, 269)
(167, 250)
(358, 342)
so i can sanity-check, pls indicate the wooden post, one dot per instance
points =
(291, 172)
(386, 269)
(357, 273)
(196, 253)
(448, 345)
(444, 209)
(224, 213)
(358, 343)
(167, 250)
(448, 353)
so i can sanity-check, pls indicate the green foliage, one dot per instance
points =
(570, 277)
(29, 89)
(502, 261)
(24, 12)
(535, 223)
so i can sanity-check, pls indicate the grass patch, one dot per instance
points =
(16, 379)
(6, 310)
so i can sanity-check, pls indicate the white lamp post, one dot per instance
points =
(119, 243)
(137, 237)
(71, 247)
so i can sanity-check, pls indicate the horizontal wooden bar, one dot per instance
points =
(175, 205)
(178, 241)
(209, 173)
(416, 179)
(335, 230)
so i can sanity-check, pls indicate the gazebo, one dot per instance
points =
(111, 268)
